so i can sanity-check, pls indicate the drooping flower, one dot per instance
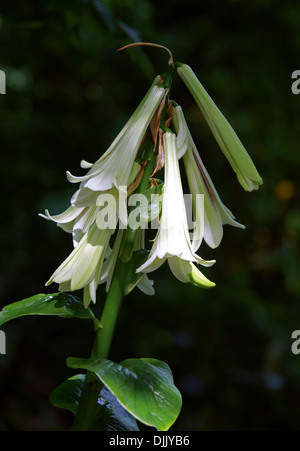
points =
(172, 241)
(115, 165)
(199, 181)
(224, 134)
(82, 268)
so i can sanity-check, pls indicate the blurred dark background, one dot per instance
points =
(68, 94)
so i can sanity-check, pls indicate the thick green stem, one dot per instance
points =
(110, 312)
(87, 404)
(103, 339)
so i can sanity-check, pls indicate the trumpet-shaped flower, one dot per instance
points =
(82, 268)
(226, 137)
(215, 212)
(172, 241)
(115, 165)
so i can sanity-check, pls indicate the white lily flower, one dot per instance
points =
(78, 219)
(224, 134)
(114, 167)
(215, 212)
(172, 239)
(82, 268)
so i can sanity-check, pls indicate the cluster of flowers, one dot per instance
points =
(93, 259)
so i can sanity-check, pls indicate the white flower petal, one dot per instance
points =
(146, 286)
(80, 266)
(153, 262)
(172, 238)
(67, 216)
(114, 167)
(83, 223)
(84, 197)
(92, 253)
(110, 262)
(85, 164)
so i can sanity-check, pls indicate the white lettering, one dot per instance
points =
(107, 216)
(144, 212)
(2, 82)
(129, 441)
(139, 215)
(295, 85)
(2, 342)
(165, 440)
(296, 344)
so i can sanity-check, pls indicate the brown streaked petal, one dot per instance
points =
(155, 122)
(161, 152)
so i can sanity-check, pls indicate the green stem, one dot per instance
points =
(88, 401)
(103, 339)
(110, 312)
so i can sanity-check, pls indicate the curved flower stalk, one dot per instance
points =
(224, 134)
(172, 241)
(215, 212)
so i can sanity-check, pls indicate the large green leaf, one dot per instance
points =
(109, 414)
(59, 304)
(144, 387)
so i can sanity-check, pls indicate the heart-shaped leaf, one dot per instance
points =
(144, 387)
